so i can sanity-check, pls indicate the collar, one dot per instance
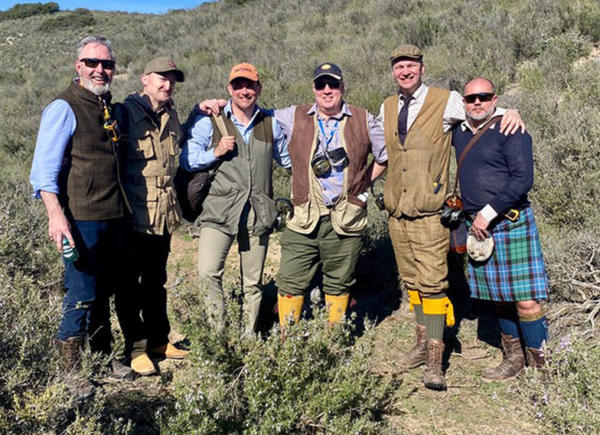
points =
(344, 112)
(466, 126)
(229, 112)
(421, 90)
(145, 108)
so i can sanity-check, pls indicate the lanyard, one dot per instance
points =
(333, 130)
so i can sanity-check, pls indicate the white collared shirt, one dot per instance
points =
(453, 113)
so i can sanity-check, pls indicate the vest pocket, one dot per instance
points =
(140, 147)
(348, 217)
(265, 212)
(302, 218)
(216, 208)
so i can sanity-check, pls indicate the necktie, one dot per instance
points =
(402, 118)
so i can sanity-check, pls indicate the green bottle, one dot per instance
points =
(69, 253)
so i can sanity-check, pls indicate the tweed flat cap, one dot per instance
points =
(407, 50)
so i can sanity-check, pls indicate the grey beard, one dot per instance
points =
(98, 90)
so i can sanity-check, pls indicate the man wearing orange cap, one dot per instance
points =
(151, 133)
(240, 203)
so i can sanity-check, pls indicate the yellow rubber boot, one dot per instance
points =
(289, 307)
(336, 305)
(140, 361)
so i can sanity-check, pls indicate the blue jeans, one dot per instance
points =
(91, 280)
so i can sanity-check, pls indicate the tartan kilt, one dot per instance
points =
(516, 270)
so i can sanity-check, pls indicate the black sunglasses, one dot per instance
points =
(92, 62)
(483, 97)
(333, 84)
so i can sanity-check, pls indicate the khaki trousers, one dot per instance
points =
(213, 248)
(421, 249)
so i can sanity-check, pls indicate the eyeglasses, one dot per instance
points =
(92, 62)
(483, 97)
(333, 84)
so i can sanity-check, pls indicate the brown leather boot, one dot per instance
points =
(512, 363)
(433, 378)
(417, 356)
(536, 358)
(70, 362)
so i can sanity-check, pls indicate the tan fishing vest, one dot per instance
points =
(151, 153)
(417, 180)
(349, 215)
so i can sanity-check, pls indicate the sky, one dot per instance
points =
(143, 6)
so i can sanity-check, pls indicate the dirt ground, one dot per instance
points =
(468, 406)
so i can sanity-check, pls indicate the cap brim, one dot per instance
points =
(179, 77)
(335, 76)
(404, 56)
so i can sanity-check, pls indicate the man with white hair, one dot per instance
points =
(75, 171)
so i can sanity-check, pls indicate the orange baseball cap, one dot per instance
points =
(245, 70)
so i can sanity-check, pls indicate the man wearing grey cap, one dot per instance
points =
(417, 122)
(151, 133)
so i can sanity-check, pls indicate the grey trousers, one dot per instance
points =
(213, 248)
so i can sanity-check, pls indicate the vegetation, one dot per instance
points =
(24, 10)
(543, 57)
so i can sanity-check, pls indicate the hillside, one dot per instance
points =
(544, 58)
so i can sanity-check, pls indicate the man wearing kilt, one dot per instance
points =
(495, 177)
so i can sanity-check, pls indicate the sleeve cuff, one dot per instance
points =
(488, 213)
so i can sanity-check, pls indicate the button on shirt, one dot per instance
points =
(332, 184)
(197, 155)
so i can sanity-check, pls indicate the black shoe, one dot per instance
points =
(120, 371)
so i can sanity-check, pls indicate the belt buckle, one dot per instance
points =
(512, 215)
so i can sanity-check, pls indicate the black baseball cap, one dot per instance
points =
(328, 69)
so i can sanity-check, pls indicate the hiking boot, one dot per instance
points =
(513, 361)
(169, 351)
(70, 363)
(417, 356)
(120, 371)
(140, 361)
(433, 378)
(536, 358)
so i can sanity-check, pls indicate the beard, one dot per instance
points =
(483, 116)
(98, 90)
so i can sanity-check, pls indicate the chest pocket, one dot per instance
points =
(140, 144)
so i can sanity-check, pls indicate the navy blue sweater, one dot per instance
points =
(497, 171)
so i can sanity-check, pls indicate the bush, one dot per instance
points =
(78, 19)
(24, 10)
(318, 380)
(567, 397)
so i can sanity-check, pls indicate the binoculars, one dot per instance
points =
(452, 212)
(285, 211)
(322, 163)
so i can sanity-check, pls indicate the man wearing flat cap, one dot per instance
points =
(417, 122)
(151, 134)
(240, 202)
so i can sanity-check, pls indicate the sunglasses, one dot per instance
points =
(483, 97)
(333, 84)
(92, 62)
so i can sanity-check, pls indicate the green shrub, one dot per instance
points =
(318, 380)
(78, 19)
(24, 10)
(567, 396)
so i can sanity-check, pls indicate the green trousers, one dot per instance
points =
(301, 255)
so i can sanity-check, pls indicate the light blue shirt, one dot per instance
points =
(57, 126)
(196, 155)
(332, 184)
